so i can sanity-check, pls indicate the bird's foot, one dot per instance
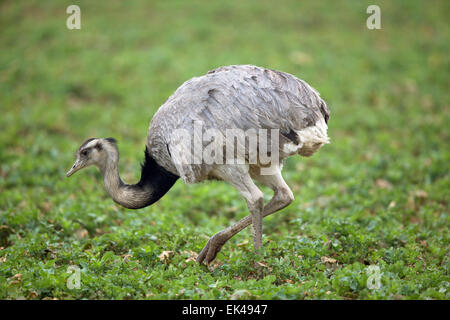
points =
(212, 248)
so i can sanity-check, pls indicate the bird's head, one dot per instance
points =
(94, 151)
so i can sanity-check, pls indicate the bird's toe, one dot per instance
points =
(211, 249)
(202, 254)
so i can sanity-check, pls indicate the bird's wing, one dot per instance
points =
(252, 97)
(233, 97)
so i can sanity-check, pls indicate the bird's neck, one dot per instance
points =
(154, 183)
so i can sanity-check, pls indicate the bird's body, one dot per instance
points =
(237, 97)
(241, 98)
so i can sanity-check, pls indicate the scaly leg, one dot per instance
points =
(239, 177)
(282, 197)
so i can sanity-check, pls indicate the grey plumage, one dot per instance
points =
(242, 97)
(233, 97)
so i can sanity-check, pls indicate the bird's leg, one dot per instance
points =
(238, 177)
(282, 197)
(256, 210)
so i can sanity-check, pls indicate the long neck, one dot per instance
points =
(154, 183)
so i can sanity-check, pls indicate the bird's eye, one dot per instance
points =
(84, 153)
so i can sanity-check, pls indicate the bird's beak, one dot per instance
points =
(76, 166)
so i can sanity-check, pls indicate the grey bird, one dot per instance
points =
(239, 98)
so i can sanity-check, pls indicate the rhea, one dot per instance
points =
(240, 97)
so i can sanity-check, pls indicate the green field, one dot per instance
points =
(376, 196)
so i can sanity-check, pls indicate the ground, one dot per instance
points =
(377, 196)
